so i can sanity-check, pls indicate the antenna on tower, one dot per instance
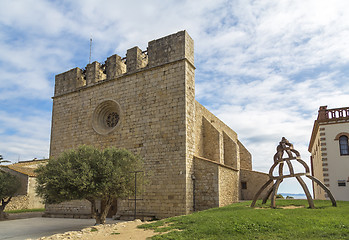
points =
(90, 49)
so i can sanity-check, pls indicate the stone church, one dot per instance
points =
(145, 102)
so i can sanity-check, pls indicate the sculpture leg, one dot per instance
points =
(324, 188)
(306, 191)
(275, 190)
(260, 191)
(281, 169)
(281, 173)
(265, 199)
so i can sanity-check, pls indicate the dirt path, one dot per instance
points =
(121, 230)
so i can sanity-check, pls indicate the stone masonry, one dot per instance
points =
(146, 104)
(25, 197)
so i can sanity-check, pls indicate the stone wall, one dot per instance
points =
(26, 197)
(153, 107)
(228, 186)
(26, 201)
(34, 201)
(216, 185)
(245, 157)
(254, 181)
(71, 209)
(206, 184)
(211, 139)
(214, 140)
(18, 202)
(190, 127)
(152, 93)
(231, 151)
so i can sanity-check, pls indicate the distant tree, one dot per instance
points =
(289, 197)
(9, 184)
(91, 174)
(279, 196)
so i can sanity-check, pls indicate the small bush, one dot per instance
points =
(279, 196)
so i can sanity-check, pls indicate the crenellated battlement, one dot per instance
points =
(145, 102)
(161, 51)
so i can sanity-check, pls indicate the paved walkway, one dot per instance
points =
(33, 228)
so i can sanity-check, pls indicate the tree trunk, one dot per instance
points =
(4, 215)
(105, 206)
(100, 214)
(94, 210)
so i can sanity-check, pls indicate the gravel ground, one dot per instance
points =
(122, 230)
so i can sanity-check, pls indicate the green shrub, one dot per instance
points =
(279, 196)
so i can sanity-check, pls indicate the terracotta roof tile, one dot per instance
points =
(26, 167)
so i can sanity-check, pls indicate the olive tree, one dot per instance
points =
(91, 174)
(9, 184)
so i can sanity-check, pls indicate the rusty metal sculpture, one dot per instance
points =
(286, 147)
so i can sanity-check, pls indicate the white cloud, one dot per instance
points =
(264, 67)
(24, 135)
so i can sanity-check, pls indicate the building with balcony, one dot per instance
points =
(329, 150)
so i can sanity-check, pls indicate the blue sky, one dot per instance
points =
(263, 67)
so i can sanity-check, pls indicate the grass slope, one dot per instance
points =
(239, 221)
(26, 210)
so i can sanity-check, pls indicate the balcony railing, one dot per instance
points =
(333, 114)
(338, 113)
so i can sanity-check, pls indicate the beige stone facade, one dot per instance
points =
(25, 197)
(251, 182)
(329, 152)
(146, 103)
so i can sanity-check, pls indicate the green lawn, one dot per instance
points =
(26, 210)
(239, 221)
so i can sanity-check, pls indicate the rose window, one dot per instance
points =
(106, 117)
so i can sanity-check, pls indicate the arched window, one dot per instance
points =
(343, 145)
